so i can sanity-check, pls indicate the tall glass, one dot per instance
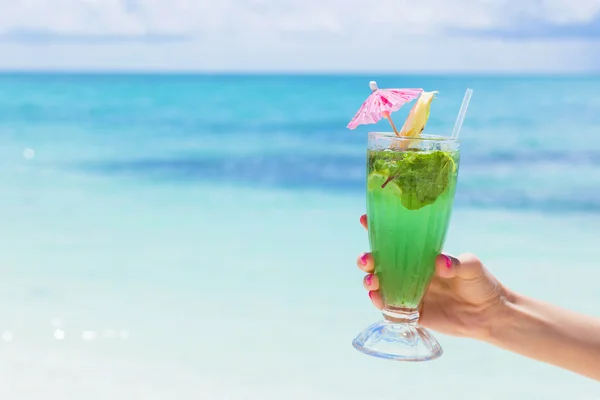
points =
(410, 193)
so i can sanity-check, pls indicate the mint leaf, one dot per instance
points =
(422, 177)
(383, 162)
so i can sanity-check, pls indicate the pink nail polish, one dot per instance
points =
(368, 279)
(448, 261)
(363, 259)
(371, 294)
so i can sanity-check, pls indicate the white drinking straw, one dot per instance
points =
(461, 113)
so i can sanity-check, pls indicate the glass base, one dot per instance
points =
(398, 338)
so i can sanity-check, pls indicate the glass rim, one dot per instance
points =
(425, 137)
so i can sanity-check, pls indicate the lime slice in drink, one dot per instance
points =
(376, 180)
(452, 161)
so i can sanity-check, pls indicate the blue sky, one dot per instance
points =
(301, 35)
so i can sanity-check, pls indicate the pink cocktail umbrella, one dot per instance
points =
(381, 103)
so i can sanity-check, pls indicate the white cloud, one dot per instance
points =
(69, 17)
(559, 11)
(416, 55)
(261, 18)
(390, 35)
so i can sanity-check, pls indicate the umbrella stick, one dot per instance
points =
(389, 118)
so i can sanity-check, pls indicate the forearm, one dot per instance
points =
(550, 334)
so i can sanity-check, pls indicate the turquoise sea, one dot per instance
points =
(195, 236)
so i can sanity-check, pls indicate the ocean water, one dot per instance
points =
(194, 236)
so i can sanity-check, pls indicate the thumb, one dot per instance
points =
(466, 266)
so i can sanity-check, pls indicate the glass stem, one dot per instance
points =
(401, 315)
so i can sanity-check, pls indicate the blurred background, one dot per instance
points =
(180, 198)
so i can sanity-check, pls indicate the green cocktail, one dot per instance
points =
(406, 232)
(410, 193)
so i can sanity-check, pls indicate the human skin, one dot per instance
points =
(464, 299)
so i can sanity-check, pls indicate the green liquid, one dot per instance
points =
(408, 219)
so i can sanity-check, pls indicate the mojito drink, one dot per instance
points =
(410, 193)
(411, 181)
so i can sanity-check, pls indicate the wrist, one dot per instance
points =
(499, 316)
(515, 318)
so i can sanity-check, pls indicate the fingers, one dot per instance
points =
(371, 282)
(466, 266)
(376, 299)
(365, 262)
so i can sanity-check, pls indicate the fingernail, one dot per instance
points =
(371, 294)
(448, 261)
(368, 279)
(363, 259)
